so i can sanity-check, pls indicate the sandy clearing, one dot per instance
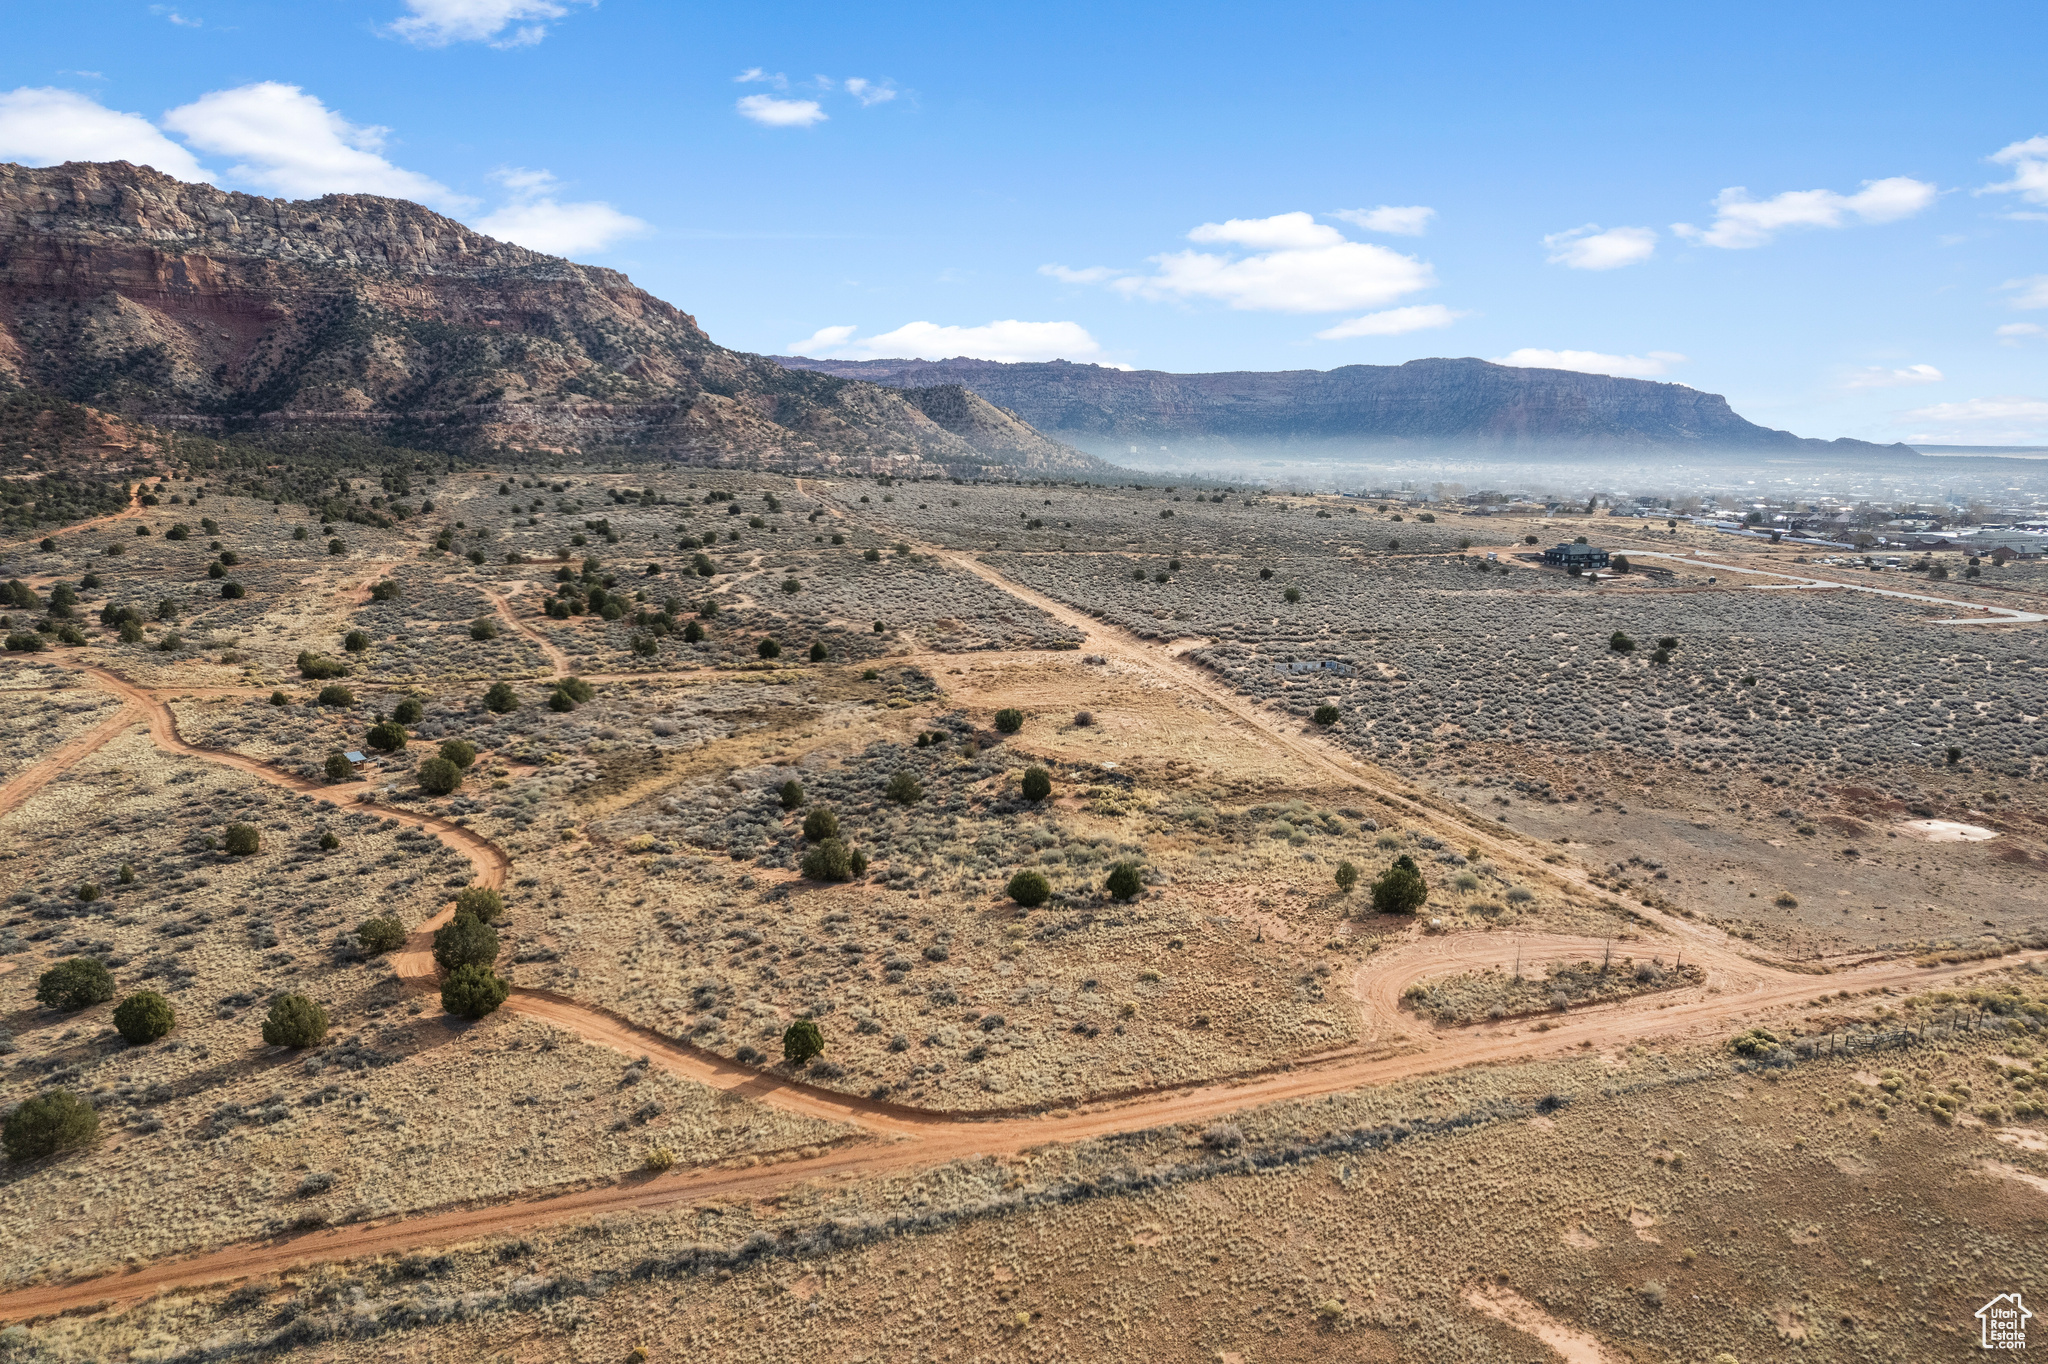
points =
(1571, 1345)
(1946, 831)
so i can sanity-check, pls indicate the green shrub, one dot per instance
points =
(461, 752)
(76, 983)
(1030, 889)
(791, 795)
(1400, 889)
(278, 698)
(1347, 877)
(1037, 783)
(1009, 721)
(577, 689)
(294, 1021)
(383, 590)
(473, 991)
(242, 840)
(819, 653)
(1326, 715)
(408, 711)
(88, 891)
(233, 591)
(379, 936)
(386, 737)
(1292, 594)
(828, 860)
(693, 633)
(144, 1016)
(320, 668)
(821, 824)
(338, 767)
(25, 642)
(1621, 643)
(483, 628)
(1756, 1042)
(465, 940)
(561, 702)
(1125, 881)
(501, 698)
(47, 1124)
(126, 876)
(768, 648)
(334, 694)
(480, 902)
(903, 788)
(802, 1041)
(438, 776)
(328, 841)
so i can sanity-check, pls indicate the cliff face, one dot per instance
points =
(188, 305)
(1472, 404)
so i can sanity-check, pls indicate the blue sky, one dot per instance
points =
(1836, 216)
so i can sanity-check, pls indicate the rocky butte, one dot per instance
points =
(189, 306)
(1462, 405)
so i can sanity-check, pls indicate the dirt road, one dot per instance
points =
(558, 660)
(1736, 988)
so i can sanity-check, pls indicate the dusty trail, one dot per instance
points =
(134, 508)
(490, 861)
(1736, 986)
(43, 773)
(936, 1141)
(558, 659)
(1335, 765)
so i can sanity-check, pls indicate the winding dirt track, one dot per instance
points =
(547, 646)
(1395, 1046)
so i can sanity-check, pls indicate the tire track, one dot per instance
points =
(1736, 987)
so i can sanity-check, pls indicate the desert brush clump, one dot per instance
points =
(1400, 889)
(75, 984)
(144, 1016)
(47, 1124)
(380, 935)
(294, 1021)
(472, 991)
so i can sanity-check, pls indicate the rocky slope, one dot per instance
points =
(190, 306)
(1465, 404)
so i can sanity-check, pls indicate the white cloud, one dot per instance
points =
(2028, 292)
(755, 73)
(1411, 221)
(1009, 341)
(770, 112)
(1281, 232)
(437, 23)
(1877, 376)
(823, 341)
(1588, 248)
(870, 92)
(290, 143)
(181, 20)
(1593, 362)
(536, 220)
(1393, 322)
(1298, 266)
(1741, 222)
(2029, 162)
(2012, 333)
(46, 127)
(1094, 274)
(2013, 418)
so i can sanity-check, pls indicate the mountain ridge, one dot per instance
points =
(184, 305)
(1425, 404)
